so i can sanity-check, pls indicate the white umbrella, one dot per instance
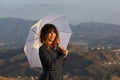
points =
(33, 42)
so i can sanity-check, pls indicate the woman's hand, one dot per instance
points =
(65, 51)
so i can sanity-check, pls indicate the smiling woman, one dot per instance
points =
(52, 55)
(49, 35)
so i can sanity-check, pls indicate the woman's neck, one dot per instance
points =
(49, 43)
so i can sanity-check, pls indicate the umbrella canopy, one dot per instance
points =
(33, 41)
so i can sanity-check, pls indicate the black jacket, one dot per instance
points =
(52, 62)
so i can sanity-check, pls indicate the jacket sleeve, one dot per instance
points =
(50, 63)
(61, 53)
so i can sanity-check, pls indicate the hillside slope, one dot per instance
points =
(96, 64)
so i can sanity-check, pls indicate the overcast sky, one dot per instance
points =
(77, 11)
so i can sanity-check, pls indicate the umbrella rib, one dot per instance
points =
(34, 31)
(65, 32)
(56, 18)
(33, 39)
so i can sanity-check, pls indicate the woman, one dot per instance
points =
(52, 56)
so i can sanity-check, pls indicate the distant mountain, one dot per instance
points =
(96, 30)
(95, 34)
(14, 31)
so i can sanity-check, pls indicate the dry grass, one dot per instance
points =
(115, 78)
(3, 78)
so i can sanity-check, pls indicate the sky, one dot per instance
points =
(77, 11)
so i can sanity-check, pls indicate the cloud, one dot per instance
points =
(29, 10)
(76, 11)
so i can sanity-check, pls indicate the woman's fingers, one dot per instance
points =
(65, 51)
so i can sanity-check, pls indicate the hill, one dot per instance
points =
(85, 64)
(3, 78)
(14, 31)
(95, 34)
(81, 62)
(95, 30)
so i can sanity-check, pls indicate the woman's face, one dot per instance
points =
(51, 36)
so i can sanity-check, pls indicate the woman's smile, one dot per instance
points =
(51, 36)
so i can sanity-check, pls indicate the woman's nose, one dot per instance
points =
(52, 33)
